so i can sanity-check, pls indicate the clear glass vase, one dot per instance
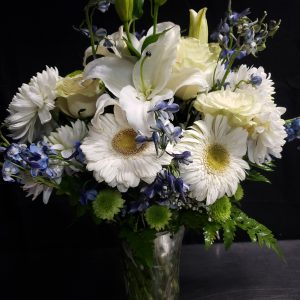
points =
(161, 281)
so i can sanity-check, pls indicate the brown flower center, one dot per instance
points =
(124, 143)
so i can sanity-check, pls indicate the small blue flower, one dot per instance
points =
(103, 5)
(88, 196)
(165, 187)
(234, 17)
(293, 129)
(255, 80)
(183, 158)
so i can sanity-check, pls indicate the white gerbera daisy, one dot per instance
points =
(114, 156)
(217, 152)
(30, 107)
(65, 137)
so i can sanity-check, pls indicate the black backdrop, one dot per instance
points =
(36, 33)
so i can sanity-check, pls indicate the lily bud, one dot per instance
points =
(198, 25)
(124, 9)
(160, 2)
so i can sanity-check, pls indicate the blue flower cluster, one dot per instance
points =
(34, 159)
(163, 131)
(166, 189)
(239, 36)
(87, 196)
(293, 129)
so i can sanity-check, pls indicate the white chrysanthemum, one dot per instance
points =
(217, 152)
(238, 81)
(65, 137)
(240, 108)
(114, 157)
(31, 106)
(267, 136)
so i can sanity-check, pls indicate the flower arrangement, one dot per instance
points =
(157, 131)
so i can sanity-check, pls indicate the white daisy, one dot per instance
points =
(65, 137)
(31, 106)
(217, 152)
(114, 157)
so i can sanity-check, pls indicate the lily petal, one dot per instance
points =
(187, 83)
(102, 102)
(115, 72)
(136, 108)
(151, 73)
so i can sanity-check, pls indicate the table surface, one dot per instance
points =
(246, 272)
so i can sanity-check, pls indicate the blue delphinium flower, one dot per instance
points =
(77, 154)
(166, 189)
(293, 129)
(182, 158)
(87, 196)
(103, 6)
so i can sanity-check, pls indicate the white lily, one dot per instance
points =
(139, 86)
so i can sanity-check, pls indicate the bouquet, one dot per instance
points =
(156, 133)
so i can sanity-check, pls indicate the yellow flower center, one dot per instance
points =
(217, 157)
(124, 142)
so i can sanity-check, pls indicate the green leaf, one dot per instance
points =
(210, 232)
(141, 243)
(256, 231)
(107, 204)
(268, 167)
(239, 194)
(138, 8)
(158, 216)
(256, 176)
(229, 229)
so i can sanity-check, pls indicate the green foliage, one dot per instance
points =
(256, 231)
(107, 204)
(229, 229)
(254, 175)
(268, 167)
(141, 243)
(192, 219)
(158, 217)
(211, 233)
(220, 211)
(69, 186)
(239, 194)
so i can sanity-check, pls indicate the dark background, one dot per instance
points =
(41, 244)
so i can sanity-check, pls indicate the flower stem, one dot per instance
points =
(232, 59)
(155, 17)
(129, 41)
(90, 28)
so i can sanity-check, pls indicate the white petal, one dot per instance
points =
(113, 71)
(192, 79)
(156, 69)
(136, 109)
(102, 102)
